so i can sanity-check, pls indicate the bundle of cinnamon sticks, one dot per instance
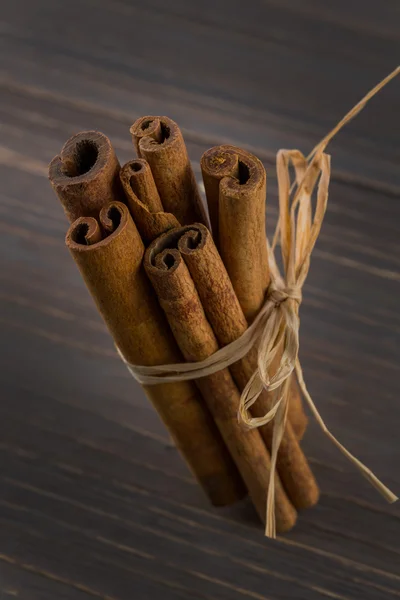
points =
(176, 284)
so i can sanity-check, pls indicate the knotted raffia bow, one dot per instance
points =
(277, 324)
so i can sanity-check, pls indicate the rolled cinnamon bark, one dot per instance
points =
(144, 201)
(143, 185)
(181, 303)
(296, 413)
(235, 185)
(109, 255)
(85, 175)
(223, 311)
(159, 141)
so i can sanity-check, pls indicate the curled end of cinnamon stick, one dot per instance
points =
(241, 172)
(193, 239)
(165, 267)
(144, 201)
(180, 239)
(159, 140)
(145, 127)
(85, 231)
(136, 177)
(250, 178)
(153, 134)
(167, 260)
(157, 255)
(88, 231)
(84, 174)
(220, 161)
(235, 173)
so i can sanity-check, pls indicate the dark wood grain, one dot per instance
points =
(94, 499)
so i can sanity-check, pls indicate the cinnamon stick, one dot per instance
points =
(85, 174)
(144, 201)
(109, 253)
(143, 184)
(159, 141)
(296, 414)
(181, 303)
(223, 311)
(235, 185)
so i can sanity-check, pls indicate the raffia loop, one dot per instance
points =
(282, 327)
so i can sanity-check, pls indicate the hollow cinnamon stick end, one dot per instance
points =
(143, 199)
(83, 232)
(216, 163)
(85, 174)
(88, 231)
(146, 127)
(219, 162)
(136, 175)
(159, 140)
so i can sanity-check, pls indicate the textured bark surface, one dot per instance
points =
(159, 140)
(143, 185)
(178, 297)
(235, 185)
(228, 322)
(144, 201)
(113, 272)
(297, 416)
(85, 175)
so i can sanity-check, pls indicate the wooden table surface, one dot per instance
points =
(94, 500)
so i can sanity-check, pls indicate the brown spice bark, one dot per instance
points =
(85, 175)
(144, 201)
(143, 184)
(181, 303)
(109, 254)
(235, 185)
(160, 141)
(296, 413)
(229, 323)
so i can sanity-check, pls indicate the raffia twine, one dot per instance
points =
(277, 323)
